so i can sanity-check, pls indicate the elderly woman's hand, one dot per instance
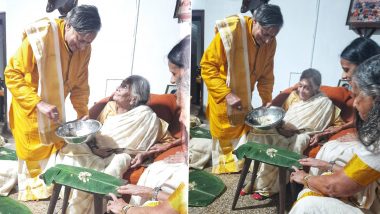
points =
(131, 189)
(116, 204)
(297, 176)
(140, 157)
(158, 148)
(319, 138)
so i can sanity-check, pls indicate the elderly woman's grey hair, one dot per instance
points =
(313, 75)
(84, 19)
(268, 15)
(140, 89)
(367, 77)
(367, 80)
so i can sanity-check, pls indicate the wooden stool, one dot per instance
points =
(255, 151)
(97, 183)
(98, 200)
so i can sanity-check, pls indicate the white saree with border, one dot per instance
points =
(313, 115)
(136, 130)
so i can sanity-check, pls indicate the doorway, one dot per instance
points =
(3, 59)
(197, 47)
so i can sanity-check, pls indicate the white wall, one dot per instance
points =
(308, 23)
(157, 33)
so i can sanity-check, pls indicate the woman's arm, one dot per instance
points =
(165, 143)
(140, 158)
(144, 192)
(320, 164)
(334, 185)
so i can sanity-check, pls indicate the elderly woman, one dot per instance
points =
(307, 111)
(331, 193)
(130, 128)
(162, 188)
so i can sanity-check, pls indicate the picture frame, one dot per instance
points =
(182, 11)
(364, 14)
(344, 83)
(171, 89)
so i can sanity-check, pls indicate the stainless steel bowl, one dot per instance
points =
(265, 118)
(78, 131)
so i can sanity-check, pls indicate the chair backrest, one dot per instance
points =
(164, 105)
(340, 96)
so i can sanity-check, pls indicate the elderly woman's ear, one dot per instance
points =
(133, 101)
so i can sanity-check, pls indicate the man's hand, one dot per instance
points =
(102, 152)
(50, 111)
(233, 101)
(286, 132)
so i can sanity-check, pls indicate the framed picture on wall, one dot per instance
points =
(344, 83)
(171, 89)
(364, 14)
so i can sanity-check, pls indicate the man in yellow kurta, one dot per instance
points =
(51, 63)
(240, 55)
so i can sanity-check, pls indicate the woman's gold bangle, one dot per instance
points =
(125, 209)
(305, 181)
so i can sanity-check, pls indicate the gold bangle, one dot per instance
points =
(305, 181)
(125, 209)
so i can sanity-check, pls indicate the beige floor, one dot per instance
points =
(245, 204)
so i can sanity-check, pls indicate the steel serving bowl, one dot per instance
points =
(265, 118)
(78, 131)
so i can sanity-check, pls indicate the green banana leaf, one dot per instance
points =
(204, 188)
(269, 154)
(7, 154)
(95, 182)
(198, 132)
(10, 206)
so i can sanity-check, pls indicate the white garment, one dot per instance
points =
(199, 152)
(337, 151)
(162, 174)
(325, 205)
(226, 163)
(313, 115)
(8, 176)
(32, 188)
(136, 130)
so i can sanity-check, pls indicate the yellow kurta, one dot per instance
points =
(214, 73)
(214, 64)
(22, 79)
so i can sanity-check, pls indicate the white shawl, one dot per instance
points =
(135, 130)
(314, 114)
